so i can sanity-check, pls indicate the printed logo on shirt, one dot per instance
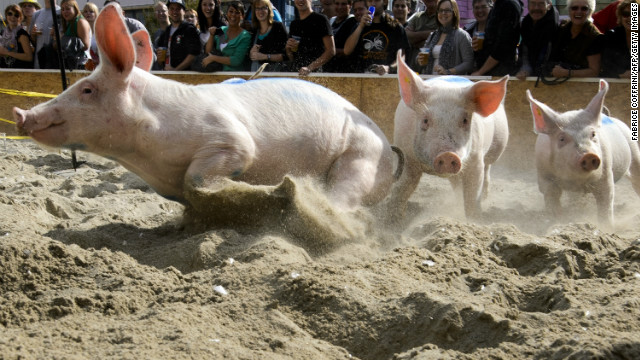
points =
(376, 44)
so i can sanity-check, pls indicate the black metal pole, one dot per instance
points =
(63, 75)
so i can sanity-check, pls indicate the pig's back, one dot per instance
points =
(618, 137)
(298, 124)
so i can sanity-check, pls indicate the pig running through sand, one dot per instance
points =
(449, 127)
(583, 151)
(179, 137)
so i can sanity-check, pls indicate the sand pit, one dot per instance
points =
(95, 265)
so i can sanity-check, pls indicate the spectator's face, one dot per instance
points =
(379, 4)
(28, 9)
(162, 13)
(176, 13)
(67, 11)
(481, 11)
(14, 18)
(191, 17)
(208, 6)
(625, 18)
(328, 5)
(262, 11)
(579, 12)
(302, 5)
(359, 9)
(342, 9)
(234, 16)
(537, 9)
(445, 13)
(89, 14)
(400, 10)
(431, 6)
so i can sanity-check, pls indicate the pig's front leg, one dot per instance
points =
(485, 182)
(213, 163)
(472, 179)
(552, 193)
(396, 205)
(604, 194)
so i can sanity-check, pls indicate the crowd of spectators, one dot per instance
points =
(343, 37)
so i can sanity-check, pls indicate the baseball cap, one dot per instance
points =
(179, 2)
(34, 2)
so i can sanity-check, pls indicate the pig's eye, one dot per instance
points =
(561, 138)
(425, 122)
(465, 121)
(87, 90)
(593, 134)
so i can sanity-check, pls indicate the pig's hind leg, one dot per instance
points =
(634, 169)
(354, 180)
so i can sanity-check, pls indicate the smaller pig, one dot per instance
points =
(449, 127)
(583, 151)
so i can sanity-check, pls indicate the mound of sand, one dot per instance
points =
(93, 264)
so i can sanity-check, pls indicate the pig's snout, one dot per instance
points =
(447, 163)
(20, 117)
(590, 162)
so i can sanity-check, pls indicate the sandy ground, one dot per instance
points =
(94, 265)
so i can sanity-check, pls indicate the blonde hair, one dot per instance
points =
(91, 6)
(590, 3)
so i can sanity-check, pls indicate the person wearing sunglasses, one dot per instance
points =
(577, 47)
(15, 44)
(28, 7)
(616, 52)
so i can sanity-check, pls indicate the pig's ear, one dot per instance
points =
(488, 95)
(114, 40)
(595, 106)
(542, 116)
(409, 82)
(144, 54)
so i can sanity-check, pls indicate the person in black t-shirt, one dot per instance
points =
(376, 40)
(310, 44)
(342, 25)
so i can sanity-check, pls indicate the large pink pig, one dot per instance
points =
(583, 150)
(177, 137)
(449, 127)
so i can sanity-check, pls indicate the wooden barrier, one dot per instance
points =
(377, 96)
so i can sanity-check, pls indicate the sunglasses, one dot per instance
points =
(576, 8)
(13, 14)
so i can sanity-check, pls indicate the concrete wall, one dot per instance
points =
(375, 95)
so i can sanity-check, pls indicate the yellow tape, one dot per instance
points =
(9, 121)
(27, 93)
(12, 137)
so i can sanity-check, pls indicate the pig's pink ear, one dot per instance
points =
(409, 82)
(114, 40)
(144, 54)
(542, 116)
(595, 106)
(488, 95)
